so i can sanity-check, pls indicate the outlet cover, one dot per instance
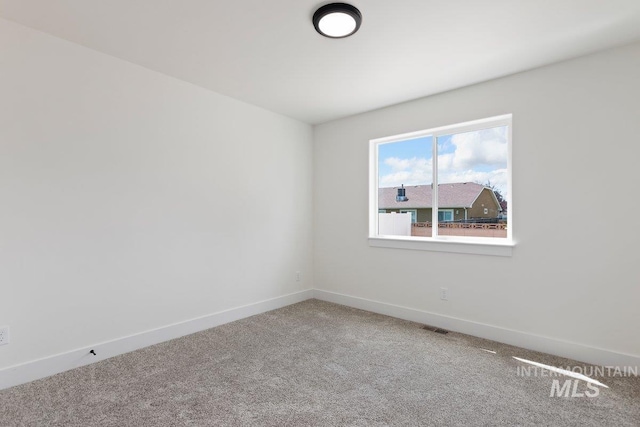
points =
(444, 294)
(4, 335)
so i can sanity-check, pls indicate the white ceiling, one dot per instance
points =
(267, 53)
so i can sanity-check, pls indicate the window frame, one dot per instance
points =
(457, 244)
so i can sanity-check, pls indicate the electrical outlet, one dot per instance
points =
(297, 276)
(4, 335)
(444, 294)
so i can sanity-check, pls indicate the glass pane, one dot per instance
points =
(445, 215)
(405, 175)
(472, 183)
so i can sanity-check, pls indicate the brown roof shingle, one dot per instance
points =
(454, 195)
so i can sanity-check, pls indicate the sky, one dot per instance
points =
(479, 156)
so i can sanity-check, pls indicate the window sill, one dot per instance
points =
(475, 246)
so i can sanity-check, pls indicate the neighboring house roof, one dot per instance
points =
(454, 195)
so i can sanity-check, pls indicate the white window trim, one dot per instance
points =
(456, 244)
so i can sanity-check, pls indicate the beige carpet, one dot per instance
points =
(318, 364)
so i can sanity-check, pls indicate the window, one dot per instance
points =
(445, 215)
(455, 181)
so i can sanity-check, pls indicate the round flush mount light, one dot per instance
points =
(337, 20)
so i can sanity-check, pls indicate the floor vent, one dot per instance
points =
(434, 329)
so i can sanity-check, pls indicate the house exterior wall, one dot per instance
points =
(458, 213)
(484, 200)
(424, 215)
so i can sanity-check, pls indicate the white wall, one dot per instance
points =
(130, 200)
(573, 276)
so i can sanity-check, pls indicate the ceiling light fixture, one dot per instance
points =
(337, 20)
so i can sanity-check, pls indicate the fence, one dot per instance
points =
(466, 224)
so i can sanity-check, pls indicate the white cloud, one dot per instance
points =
(414, 171)
(487, 147)
(479, 156)
(398, 164)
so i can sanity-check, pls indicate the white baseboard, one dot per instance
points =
(570, 350)
(41, 368)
